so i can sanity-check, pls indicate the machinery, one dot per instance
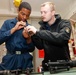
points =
(61, 65)
(20, 72)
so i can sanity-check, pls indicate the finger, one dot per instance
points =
(25, 28)
(22, 23)
(29, 30)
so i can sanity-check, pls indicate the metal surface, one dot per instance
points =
(72, 71)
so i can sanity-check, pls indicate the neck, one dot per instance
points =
(17, 18)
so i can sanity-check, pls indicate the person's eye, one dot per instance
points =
(23, 14)
(41, 12)
(45, 12)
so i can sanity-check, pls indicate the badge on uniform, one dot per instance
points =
(67, 29)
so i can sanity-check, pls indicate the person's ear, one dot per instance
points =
(53, 12)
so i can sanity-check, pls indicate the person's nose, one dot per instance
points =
(24, 17)
(42, 15)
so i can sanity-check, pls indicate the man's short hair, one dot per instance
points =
(24, 5)
(51, 4)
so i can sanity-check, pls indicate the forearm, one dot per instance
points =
(53, 37)
(37, 42)
(13, 30)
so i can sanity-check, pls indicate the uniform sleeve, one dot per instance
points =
(57, 38)
(37, 42)
(4, 33)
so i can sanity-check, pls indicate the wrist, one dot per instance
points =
(36, 31)
(13, 30)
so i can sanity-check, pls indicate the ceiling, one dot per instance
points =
(67, 8)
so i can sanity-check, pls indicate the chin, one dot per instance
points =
(44, 21)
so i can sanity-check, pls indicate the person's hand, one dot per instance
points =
(25, 33)
(19, 25)
(31, 30)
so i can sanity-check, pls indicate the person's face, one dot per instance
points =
(23, 14)
(46, 13)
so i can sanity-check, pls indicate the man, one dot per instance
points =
(53, 35)
(18, 48)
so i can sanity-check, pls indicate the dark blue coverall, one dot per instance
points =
(15, 42)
